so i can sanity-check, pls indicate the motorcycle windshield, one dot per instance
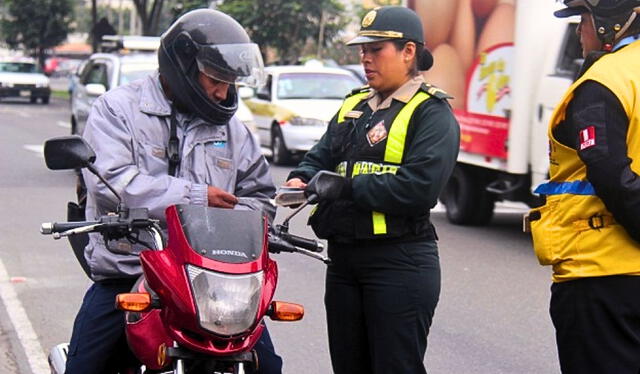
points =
(225, 235)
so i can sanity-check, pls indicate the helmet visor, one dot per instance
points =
(232, 63)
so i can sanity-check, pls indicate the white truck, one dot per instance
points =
(507, 63)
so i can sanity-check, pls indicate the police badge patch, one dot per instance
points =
(377, 134)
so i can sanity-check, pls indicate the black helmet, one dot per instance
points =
(612, 18)
(211, 42)
(394, 23)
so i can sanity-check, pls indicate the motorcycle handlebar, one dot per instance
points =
(298, 241)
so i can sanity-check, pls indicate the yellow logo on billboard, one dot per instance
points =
(497, 82)
(369, 18)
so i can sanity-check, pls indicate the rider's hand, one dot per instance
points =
(220, 199)
(295, 183)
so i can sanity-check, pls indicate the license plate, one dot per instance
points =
(24, 93)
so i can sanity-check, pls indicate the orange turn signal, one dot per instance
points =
(283, 311)
(133, 302)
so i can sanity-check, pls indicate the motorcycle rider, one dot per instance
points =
(589, 228)
(170, 138)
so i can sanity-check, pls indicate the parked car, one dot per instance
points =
(22, 77)
(129, 58)
(357, 70)
(294, 106)
(134, 59)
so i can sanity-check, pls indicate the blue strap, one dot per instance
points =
(626, 41)
(558, 188)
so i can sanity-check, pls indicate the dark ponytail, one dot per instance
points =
(425, 59)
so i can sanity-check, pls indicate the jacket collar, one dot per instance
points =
(152, 98)
(404, 93)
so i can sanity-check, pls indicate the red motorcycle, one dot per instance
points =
(199, 306)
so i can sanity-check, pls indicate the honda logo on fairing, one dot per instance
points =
(228, 252)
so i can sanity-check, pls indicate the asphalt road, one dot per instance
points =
(492, 316)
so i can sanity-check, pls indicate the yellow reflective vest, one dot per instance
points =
(574, 232)
(394, 149)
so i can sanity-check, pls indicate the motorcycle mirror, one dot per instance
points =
(68, 152)
(73, 152)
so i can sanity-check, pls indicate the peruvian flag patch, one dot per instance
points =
(587, 138)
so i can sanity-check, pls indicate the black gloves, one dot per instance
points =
(327, 185)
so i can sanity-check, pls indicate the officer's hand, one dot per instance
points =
(220, 199)
(295, 183)
(327, 185)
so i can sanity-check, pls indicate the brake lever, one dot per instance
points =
(78, 230)
(315, 255)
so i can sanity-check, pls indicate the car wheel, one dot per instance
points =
(465, 198)
(281, 155)
(45, 100)
(33, 99)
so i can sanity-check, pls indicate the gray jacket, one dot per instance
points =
(129, 130)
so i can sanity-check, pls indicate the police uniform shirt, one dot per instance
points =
(403, 94)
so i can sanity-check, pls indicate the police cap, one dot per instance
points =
(389, 22)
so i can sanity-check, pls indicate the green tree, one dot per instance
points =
(149, 13)
(36, 25)
(287, 25)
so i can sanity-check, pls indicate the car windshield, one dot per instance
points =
(18, 67)
(315, 85)
(132, 71)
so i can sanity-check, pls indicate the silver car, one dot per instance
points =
(102, 72)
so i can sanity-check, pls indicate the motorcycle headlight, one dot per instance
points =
(227, 304)
(300, 121)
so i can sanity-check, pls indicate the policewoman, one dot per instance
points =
(589, 228)
(395, 142)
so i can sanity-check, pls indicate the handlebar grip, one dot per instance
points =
(278, 244)
(310, 244)
(50, 228)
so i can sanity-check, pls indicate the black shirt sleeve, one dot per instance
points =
(595, 109)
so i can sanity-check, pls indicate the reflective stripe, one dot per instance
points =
(342, 168)
(398, 131)
(368, 167)
(559, 188)
(379, 223)
(350, 103)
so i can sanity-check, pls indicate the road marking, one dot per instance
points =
(63, 124)
(37, 148)
(21, 324)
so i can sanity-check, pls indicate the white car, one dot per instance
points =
(102, 72)
(293, 108)
(23, 78)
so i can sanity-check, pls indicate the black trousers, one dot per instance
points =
(380, 300)
(597, 323)
(98, 342)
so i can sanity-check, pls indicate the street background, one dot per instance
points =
(492, 316)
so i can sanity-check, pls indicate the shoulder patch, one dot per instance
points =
(358, 90)
(436, 92)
